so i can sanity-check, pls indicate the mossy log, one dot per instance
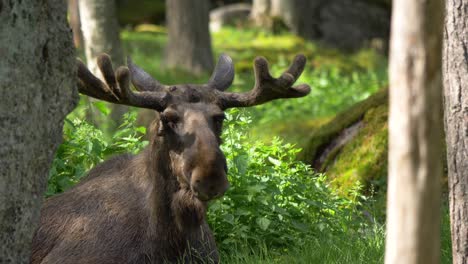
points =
(353, 146)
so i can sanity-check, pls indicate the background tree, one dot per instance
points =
(340, 23)
(456, 122)
(101, 35)
(189, 43)
(415, 129)
(75, 24)
(37, 85)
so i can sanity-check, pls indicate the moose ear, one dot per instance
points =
(223, 74)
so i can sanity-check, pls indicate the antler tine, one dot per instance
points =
(141, 79)
(268, 88)
(117, 87)
(90, 85)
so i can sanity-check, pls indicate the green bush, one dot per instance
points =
(84, 146)
(274, 200)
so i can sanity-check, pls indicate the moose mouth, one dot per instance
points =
(200, 196)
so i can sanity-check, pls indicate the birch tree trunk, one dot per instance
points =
(75, 24)
(189, 44)
(456, 122)
(415, 130)
(37, 87)
(101, 35)
(100, 31)
(260, 14)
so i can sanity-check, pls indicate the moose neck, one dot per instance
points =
(163, 181)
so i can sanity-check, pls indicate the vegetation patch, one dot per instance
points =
(363, 159)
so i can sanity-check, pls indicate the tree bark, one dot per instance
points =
(456, 122)
(101, 35)
(37, 85)
(189, 44)
(260, 14)
(415, 129)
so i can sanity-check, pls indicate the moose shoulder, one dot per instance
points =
(151, 207)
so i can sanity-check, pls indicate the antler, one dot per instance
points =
(268, 88)
(117, 87)
(153, 95)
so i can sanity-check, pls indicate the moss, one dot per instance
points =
(319, 138)
(363, 159)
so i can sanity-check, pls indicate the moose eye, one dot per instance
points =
(218, 119)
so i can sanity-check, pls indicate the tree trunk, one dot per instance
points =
(37, 84)
(101, 35)
(189, 44)
(269, 13)
(74, 17)
(260, 14)
(456, 123)
(415, 129)
(100, 31)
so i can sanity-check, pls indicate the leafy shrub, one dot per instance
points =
(274, 200)
(84, 146)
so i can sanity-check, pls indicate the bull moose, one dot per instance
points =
(151, 207)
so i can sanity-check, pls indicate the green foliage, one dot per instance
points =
(274, 200)
(84, 146)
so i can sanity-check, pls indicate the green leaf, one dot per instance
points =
(141, 129)
(274, 161)
(229, 218)
(263, 222)
(102, 107)
(255, 188)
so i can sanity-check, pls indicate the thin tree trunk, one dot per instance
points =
(260, 14)
(101, 35)
(74, 17)
(456, 122)
(100, 31)
(37, 86)
(287, 11)
(415, 131)
(189, 44)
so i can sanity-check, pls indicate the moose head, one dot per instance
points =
(191, 116)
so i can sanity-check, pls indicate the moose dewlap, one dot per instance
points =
(151, 207)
